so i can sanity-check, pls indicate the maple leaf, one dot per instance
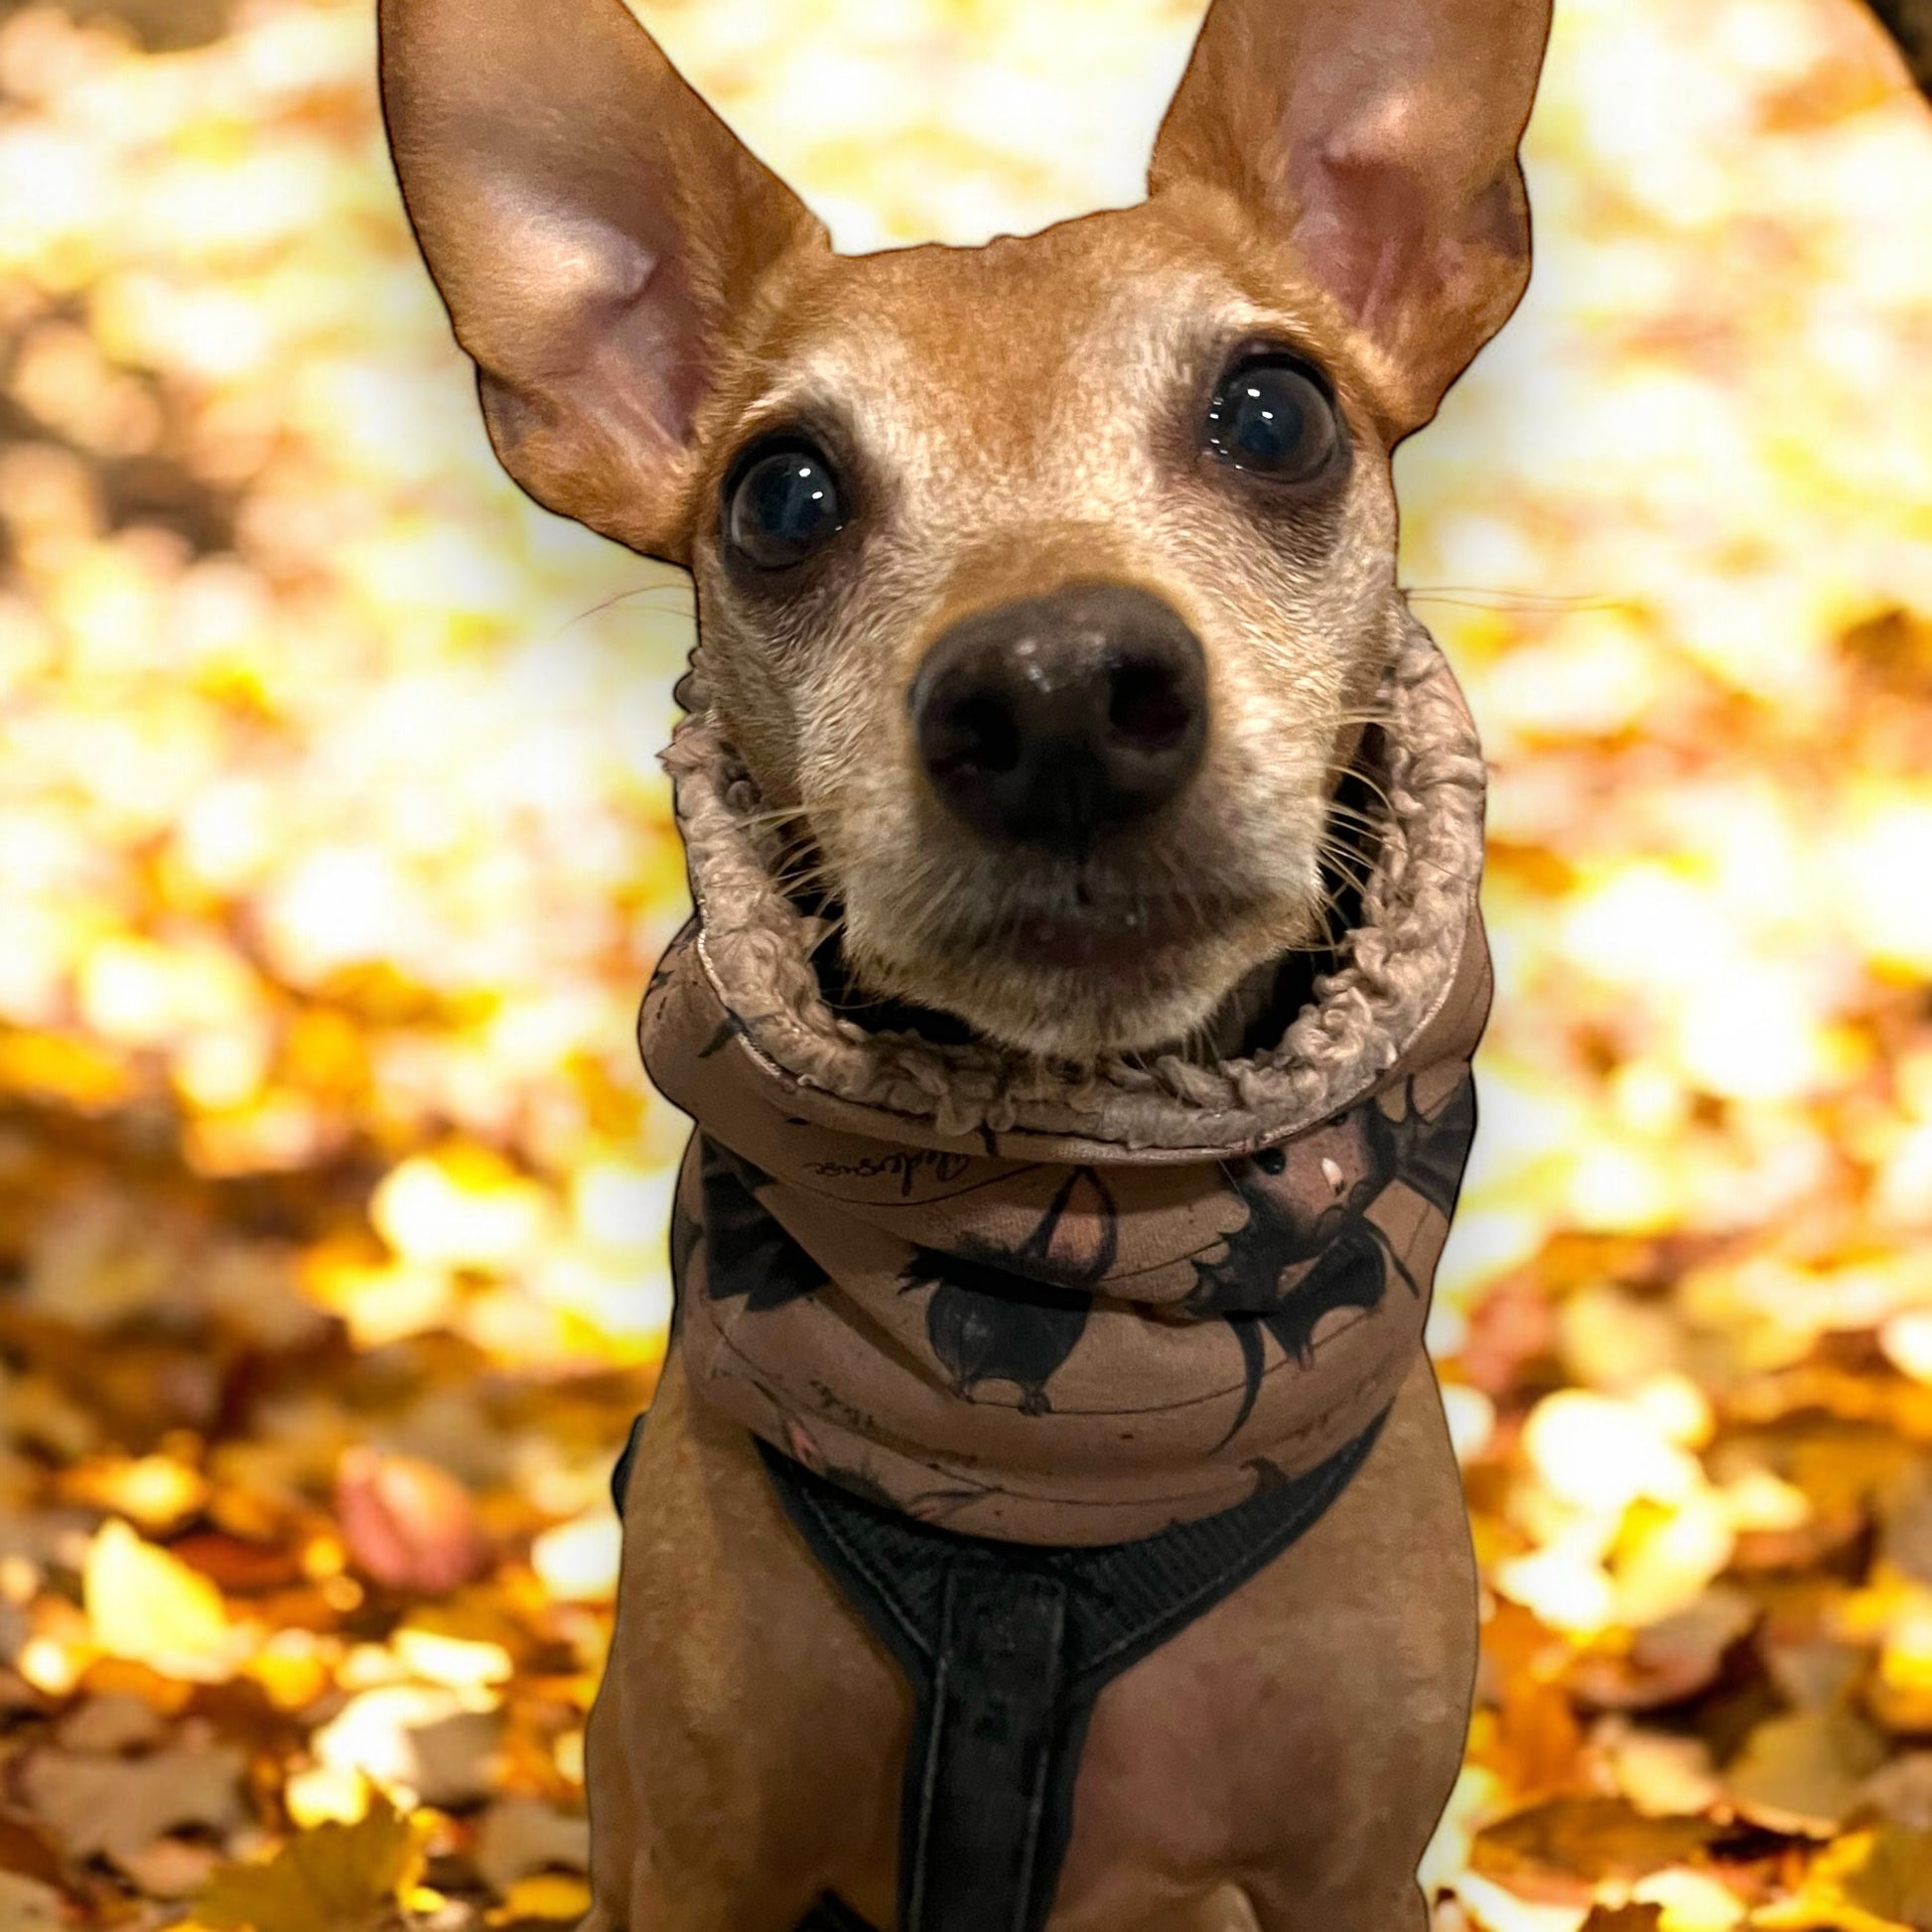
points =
(333, 1878)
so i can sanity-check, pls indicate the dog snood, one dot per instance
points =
(1044, 1359)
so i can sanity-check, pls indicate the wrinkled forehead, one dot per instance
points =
(1019, 359)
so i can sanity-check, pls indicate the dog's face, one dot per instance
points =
(1045, 584)
(1045, 579)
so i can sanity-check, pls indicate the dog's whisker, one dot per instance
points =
(1486, 597)
(677, 596)
(1355, 871)
(780, 815)
(1368, 780)
(1354, 815)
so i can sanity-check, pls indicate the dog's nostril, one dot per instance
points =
(1052, 720)
(977, 734)
(1146, 706)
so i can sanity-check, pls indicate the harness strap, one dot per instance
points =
(1007, 1646)
(982, 1781)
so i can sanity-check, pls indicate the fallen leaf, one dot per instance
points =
(171, 1867)
(408, 1524)
(1802, 1772)
(1536, 1736)
(120, 1806)
(1907, 1537)
(14, 1628)
(1902, 1791)
(547, 1897)
(1659, 1771)
(146, 1605)
(117, 1723)
(1564, 1849)
(521, 1836)
(1667, 1661)
(378, 1732)
(240, 1566)
(1894, 1880)
(456, 1757)
(168, 1694)
(332, 1878)
(1855, 1884)
(1816, 1673)
(27, 1853)
(1511, 1327)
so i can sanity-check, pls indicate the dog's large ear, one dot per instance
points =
(1379, 137)
(589, 223)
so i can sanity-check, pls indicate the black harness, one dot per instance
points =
(1006, 1646)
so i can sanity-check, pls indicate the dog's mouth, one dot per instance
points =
(1156, 945)
(1121, 944)
(1111, 934)
(1095, 960)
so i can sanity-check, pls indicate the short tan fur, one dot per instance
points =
(1335, 186)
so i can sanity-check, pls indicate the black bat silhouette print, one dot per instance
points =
(1294, 1262)
(749, 1255)
(1016, 1315)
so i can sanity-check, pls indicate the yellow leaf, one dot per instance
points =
(146, 1605)
(1844, 1880)
(333, 1878)
(1894, 1881)
(555, 1896)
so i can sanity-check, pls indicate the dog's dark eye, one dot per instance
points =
(782, 505)
(1271, 418)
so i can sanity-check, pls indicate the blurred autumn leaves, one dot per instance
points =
(334, 857)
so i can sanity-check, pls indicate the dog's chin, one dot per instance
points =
(1071, 990)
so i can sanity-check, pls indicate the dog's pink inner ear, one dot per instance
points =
(590, 351)
(592, 226)
(1379, 138)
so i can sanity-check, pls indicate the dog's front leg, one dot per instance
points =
(745, 1752)
(1289, 1753)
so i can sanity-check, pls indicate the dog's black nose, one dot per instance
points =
(1051, 719)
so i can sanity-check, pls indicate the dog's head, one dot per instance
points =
(1048, 584)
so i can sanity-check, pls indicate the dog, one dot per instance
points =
(1047, 610)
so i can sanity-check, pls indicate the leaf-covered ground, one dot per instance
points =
(334, 857)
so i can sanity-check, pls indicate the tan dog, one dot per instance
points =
(924, 494)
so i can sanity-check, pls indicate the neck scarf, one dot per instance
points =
(1057, 1304)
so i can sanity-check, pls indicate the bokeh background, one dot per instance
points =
(334, 854)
